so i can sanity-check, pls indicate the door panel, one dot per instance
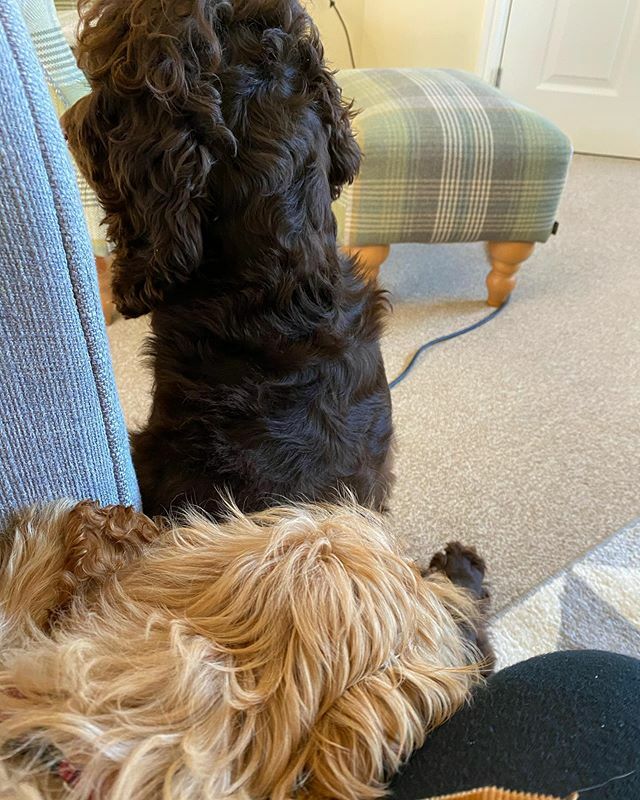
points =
(578, 62)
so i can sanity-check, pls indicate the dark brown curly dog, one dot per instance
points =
(216, 139)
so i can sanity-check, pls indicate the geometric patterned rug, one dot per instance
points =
(593, 604)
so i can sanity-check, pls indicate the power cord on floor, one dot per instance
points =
(414, 358)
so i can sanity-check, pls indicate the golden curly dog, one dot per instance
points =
(292, 653)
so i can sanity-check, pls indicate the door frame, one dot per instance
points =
(495, 22)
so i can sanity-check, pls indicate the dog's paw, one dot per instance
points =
(463, 566)
(466, 568)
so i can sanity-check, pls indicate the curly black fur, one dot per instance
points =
(217, 139)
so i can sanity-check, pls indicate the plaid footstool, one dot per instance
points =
(448, 158)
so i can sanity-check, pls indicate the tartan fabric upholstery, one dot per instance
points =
(66, 85)
(448, 158)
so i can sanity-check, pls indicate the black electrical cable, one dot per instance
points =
(446, 338)
(333, 5)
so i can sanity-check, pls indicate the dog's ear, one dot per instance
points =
(103, 539)
(343, 149)
(48, 553)
(154, 118)
(336, 113)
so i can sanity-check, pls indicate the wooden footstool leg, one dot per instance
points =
(370, 258)
(103, 267)
(505, 258)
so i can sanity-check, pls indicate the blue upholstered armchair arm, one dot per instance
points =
(61, 426)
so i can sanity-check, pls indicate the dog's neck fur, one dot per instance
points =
(275, 200)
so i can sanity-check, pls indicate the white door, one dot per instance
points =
(578, 63)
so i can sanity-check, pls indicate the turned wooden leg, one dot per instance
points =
(370, 258)
(103, 265)
(505, 258)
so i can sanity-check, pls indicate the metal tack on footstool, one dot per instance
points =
(448, 158)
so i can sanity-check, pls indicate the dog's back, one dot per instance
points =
(248, 404)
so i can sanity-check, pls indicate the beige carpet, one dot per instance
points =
(594, 604)
(523, 437)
